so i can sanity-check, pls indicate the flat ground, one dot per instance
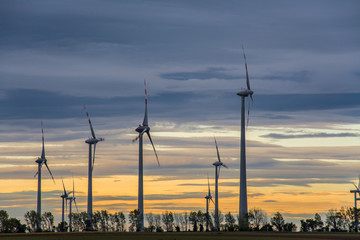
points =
(180, 236)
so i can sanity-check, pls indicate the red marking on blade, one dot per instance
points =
(145, 101)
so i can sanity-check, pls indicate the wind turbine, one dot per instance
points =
(208, 198)
(356, 199)
(71, 199)
(218, 164)
(41, 161)
(243, 209)
(91, 141)
(64, 197)
(144, 128)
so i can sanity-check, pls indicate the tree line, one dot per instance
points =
(336, 220)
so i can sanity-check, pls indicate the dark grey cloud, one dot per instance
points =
(314, 135)
(35, 104)
(301, 76)
(209, 73)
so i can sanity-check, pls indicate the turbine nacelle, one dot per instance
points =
(142, 129)
(94, 140)
(245, 93)
(41, 160)
(217, 164)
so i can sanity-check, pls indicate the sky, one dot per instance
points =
(303, 135)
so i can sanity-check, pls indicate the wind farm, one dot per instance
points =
(277, 84)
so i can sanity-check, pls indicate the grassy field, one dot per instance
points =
(179, 236)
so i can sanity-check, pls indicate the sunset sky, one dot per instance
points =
(303, 138)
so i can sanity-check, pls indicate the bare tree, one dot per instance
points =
(185, 221)
(47, 221)
(177, 218)
(168, 220)
(150, 219)
(257, 218)
(157, 219)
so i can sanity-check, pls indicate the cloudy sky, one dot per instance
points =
(303, 136)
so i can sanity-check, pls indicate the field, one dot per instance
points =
(180, 236)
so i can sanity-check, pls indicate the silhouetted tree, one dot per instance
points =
(31, 218)
(157, 219)
(13, 225)
(229, 222)
(257, 218)
(185, 221)
(177, 220)
(290, 227)
(150, 219)
(193, 220)
(201, 219)
(278, 221)
(47, 222)
(168, 220)
(334, 220)
(134, 220)
(3, 217)
(62, 227)
(267, 228)
(118, 221)
(79, 221)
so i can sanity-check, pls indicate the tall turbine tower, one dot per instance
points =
(41, 161)
(217, 165)
(71, 199)
(208, 198)
(356, 199)
(243, 209)
(91, 141)
(144, 128)
(64, 198)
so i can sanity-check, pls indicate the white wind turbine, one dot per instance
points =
(356, 199)
(41, 161)
(91, 141)
(144, 128)
(71, 199)
(218, 164)
(64, 197)
(243, 209)
(208, 198)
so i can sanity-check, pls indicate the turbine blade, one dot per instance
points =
(248, 115)
(209, 194)
(73, 188)
(359, 182)
(36, 174)
(140, 134)
(223, 164)
(93, 163)
(218, 176)
(247, 75)
(91, 127)
(356, 187)
(49, 171)
(212, 201)
(135, 139)
(145, 122)
(217, 150)
(76, 205)
(43, 142)
(63, 185)
(157, 159)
